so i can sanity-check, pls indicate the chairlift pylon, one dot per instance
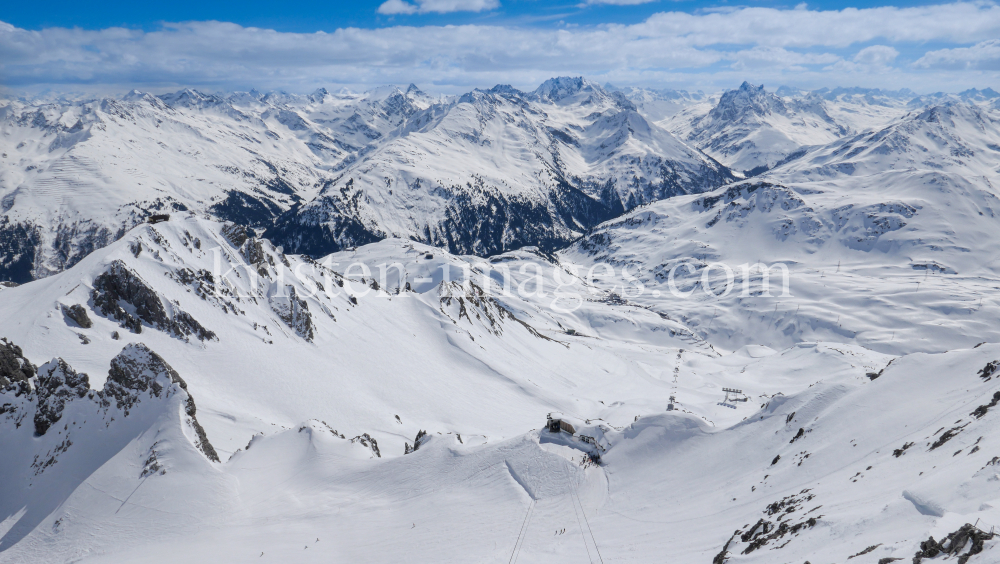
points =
(733, 395)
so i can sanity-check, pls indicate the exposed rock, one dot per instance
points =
(954, 543)
(138, 371)
(294, 312)
(983, 409)
(14, 368)
(765, 531)
(235, 234)
(989, 370)
(419, 440)
(902, 450)
(947, 436)
(868, 550)
(120, 285)
(368, 441)
(57, 383)
(723, 555)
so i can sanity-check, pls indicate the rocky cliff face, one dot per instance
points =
(119, 287)
(15, 370)
(137, 376)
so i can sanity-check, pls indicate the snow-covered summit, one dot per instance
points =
(750, 129)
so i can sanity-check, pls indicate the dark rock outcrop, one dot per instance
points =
(57, 383)
(420, 439)
(235, 234)
(367, 440)
(15, 370)
(120, 285)
(138, 371)
(954, 543)
(78, 314)
(294, 311)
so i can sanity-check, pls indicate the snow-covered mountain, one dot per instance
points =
(752, 130)
(659, 104)
(501, 169)
(873, 228)
(491, 171)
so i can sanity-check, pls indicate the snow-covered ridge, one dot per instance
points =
(500, 169)
(326, 171)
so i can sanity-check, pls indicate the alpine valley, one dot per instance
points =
(585, 323)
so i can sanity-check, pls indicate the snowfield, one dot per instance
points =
(397, 371)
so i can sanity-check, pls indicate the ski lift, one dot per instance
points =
(733, 395)
(670, 406)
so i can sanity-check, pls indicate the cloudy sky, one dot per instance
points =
(451, 46)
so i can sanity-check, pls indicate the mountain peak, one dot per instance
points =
(555, 89)
(190, 98)
(134, 95)
(747, 100)
(505, 89)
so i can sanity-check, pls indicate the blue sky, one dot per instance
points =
(452, 46)
(308, 16)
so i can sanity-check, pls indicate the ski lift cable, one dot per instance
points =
(524, 523)
(579, 524)
(585, 520)
(531, 511)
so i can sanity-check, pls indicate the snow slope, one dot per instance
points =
(848, 448)
(887, 235)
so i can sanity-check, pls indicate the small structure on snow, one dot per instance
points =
(733, 395)
(157, 218)
(555, 423)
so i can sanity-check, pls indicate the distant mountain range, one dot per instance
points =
(486, 172)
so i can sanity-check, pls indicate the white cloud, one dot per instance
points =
(437, 6)
(956, 23)
(877, 55)
(672, 47)
(397, 7)
(982, 56)
(778, 58)
(619, 2)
